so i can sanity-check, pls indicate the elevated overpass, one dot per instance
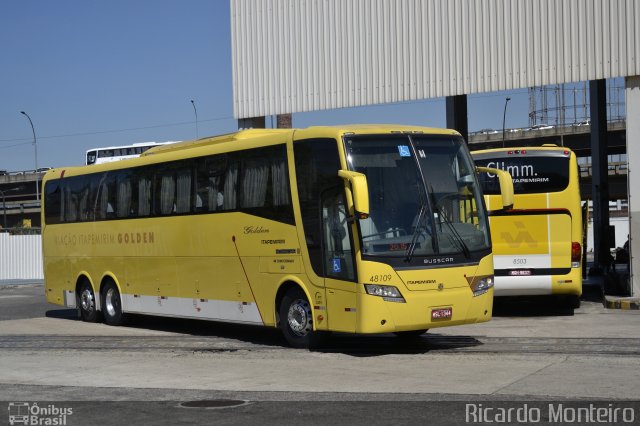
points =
(18, 199)
(578, 139)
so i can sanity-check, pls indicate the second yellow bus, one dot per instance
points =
(538, 244)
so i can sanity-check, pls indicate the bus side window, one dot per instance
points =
(166, 192)
(53, 202)
(210, 173)
(144, 194)
(265, 183)
(253, 181)
(183, 196)
(68, 209)
(230, 191)
(102, 201)
(123, 208)
(106, 201)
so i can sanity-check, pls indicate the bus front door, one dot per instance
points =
(338, 261)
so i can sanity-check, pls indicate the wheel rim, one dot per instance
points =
(86, 300)
(299, 318)
(111, 302)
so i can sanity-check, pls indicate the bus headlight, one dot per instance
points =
(482, 286)
(387, 292)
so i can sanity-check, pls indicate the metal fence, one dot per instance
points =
(20, 258)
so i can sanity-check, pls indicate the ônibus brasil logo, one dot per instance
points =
(24, 413)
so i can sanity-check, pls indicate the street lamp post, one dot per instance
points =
(504, 117)
(35, 148)
(196, 113)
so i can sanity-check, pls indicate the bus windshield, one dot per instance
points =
(423, 195)
(533, 171)
(91, 157)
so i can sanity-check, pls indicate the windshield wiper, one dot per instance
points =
(416, 233)
(456, 239)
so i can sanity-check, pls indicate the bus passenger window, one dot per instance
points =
(103, 202)
(209, 183)
(231, 187)
(254, 182)
(144, 196)
(167, 194)
(183, 203)
(124, 197)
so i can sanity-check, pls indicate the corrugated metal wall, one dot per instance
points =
(302, 55)
(20, 258)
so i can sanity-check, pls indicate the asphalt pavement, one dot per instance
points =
(168, 370)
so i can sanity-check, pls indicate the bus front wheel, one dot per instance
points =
(87, 303)
(112, 304)
(296, 320)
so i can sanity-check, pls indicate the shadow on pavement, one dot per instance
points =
(386, 344)
(530, 306)
(348, 344)
(70, 314)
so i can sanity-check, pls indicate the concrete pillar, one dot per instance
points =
(251, 123)
(457, 117)
(599, 175)
(284, 121)
(632, 95)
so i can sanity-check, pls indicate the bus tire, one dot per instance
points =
(112, 304)
(87, 303)
(411, 334)
(296, 320)
(573, 301)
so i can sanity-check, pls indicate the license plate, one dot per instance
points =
(441, 314)
(520, 272)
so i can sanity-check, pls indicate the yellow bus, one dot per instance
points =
(357, 229)
(538, 245)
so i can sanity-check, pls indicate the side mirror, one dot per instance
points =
(359, 191)
(506, 185)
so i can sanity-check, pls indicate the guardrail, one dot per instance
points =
(618, 168)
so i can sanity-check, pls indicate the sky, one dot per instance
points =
(103, 73)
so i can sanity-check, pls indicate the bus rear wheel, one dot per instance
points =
(573, 301)
(112, 304)
(296, 320)
(87, 303)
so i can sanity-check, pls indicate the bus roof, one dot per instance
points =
(542, 148)
(314, 131)
(271, 136)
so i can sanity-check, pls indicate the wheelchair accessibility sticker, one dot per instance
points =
(336, 264)
(404, 151)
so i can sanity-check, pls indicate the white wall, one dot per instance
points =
(20, 258)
